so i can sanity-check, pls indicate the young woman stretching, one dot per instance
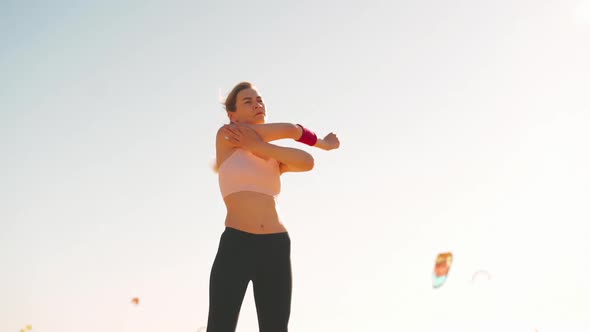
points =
(255, 245)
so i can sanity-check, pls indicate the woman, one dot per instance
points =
(255, 245)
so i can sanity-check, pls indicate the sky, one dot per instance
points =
(463, 128)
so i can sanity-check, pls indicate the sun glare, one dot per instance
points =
(582, 13)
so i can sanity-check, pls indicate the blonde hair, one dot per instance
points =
(231, 99)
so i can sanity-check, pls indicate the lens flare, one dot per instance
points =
(481, 275)
(27, 328)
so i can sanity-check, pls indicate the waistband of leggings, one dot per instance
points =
(231, 230)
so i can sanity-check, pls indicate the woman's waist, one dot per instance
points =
(255, 223)
(256, 227)
(253, 216)
(249, 201)
(251, 210)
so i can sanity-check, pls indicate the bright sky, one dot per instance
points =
(464, 128)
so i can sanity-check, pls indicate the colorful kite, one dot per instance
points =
(441, 269)
(135, 300)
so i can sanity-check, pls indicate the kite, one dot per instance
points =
(135, 300)
(441, 269)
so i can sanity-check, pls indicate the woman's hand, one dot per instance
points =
(242, 136)
(330, 142)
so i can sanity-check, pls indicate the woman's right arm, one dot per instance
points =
(223, 148)
(296, 160)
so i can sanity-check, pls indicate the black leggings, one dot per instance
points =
(263, 258)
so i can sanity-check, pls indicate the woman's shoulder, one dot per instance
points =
(223, 147)
(219, 133)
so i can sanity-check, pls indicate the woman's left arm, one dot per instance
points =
(272, 131)
(269, 132)
(291, 159)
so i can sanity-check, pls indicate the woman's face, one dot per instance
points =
(249, 108)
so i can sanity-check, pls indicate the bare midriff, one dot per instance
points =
(253, 212)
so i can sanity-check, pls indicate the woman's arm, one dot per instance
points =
(269, 132)
(295, 160)
(291, 159)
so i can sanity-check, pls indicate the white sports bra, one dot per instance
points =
(244, 171)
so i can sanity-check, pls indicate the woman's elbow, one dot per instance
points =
(308, 163)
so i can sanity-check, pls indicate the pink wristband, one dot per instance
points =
(308, 137)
